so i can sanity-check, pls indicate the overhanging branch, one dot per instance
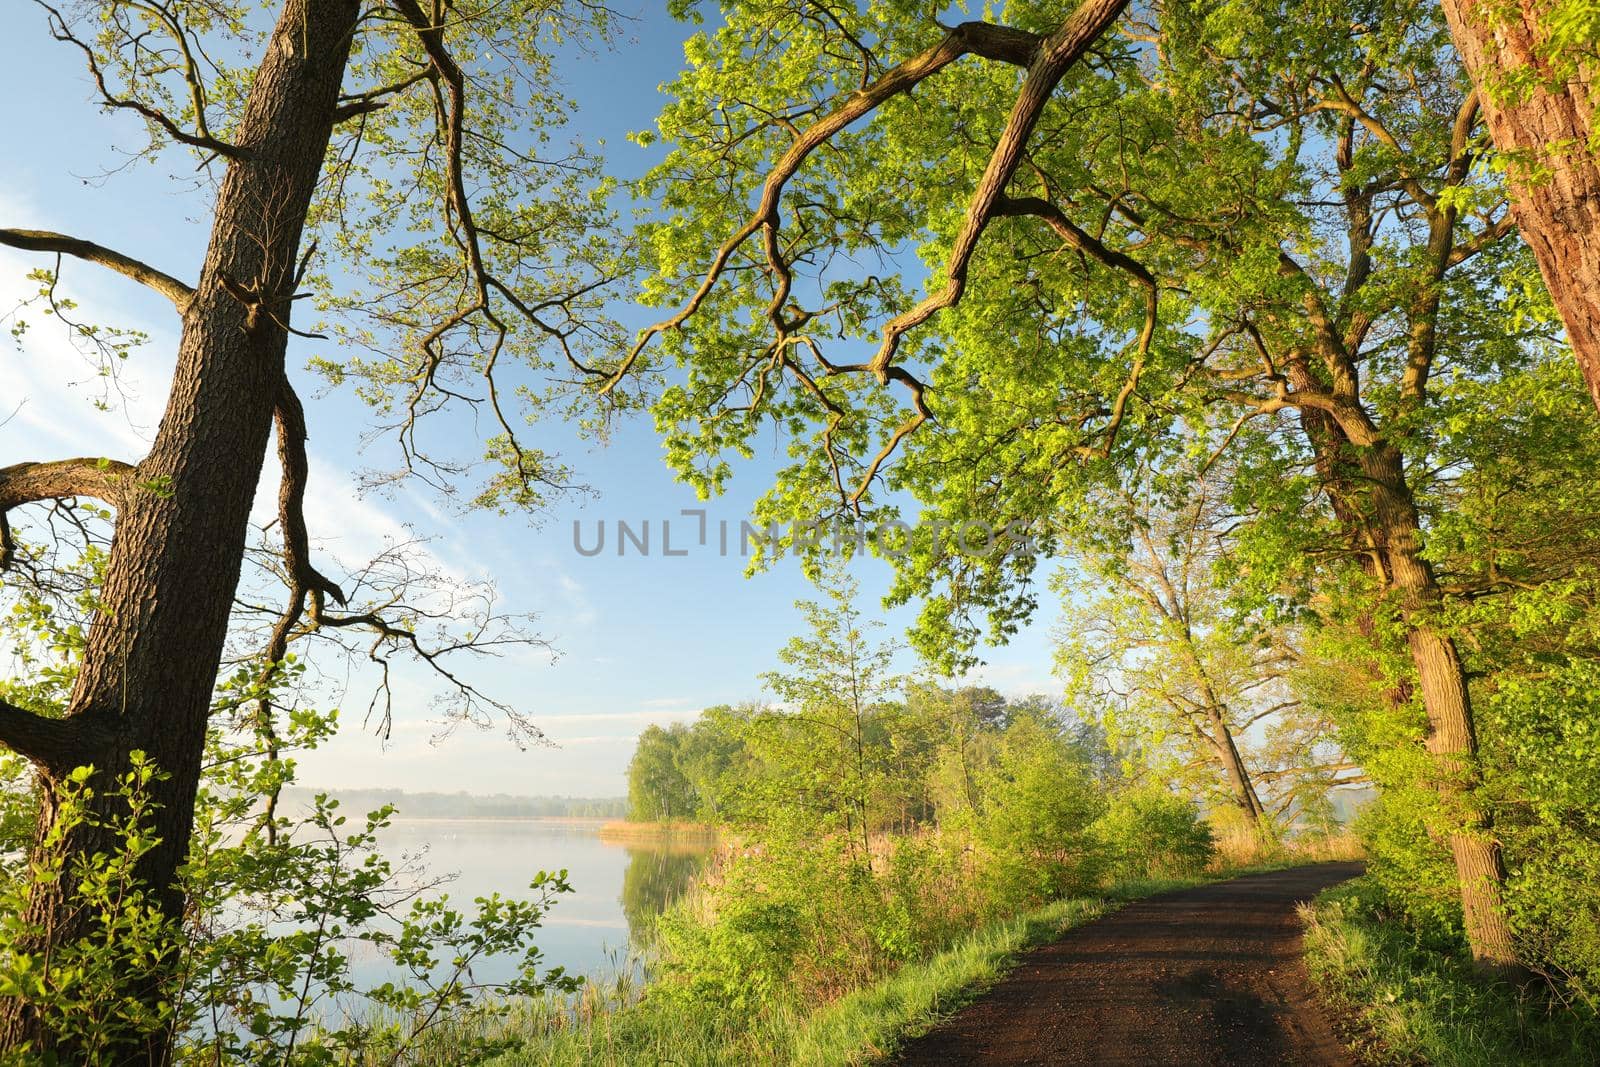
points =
(968, 38)
(62, 479)
(27, 483)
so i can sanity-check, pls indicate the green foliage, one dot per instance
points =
(657, 789)
(260, 969)
(1514, 529)
(769, 930)
(1414, 1003)
(680, 772)
(869, 832)
(1150, 833)
(623, 1025)
(82, 980)
(1039, 803)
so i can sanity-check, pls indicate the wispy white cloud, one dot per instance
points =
(645, 717)
(670, 702)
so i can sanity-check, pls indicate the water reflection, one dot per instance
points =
(655, 877)
(619, 888)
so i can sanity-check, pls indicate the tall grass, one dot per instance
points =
(1241, 844)
(1410, 1003)
(613, 1024)
(623, 831)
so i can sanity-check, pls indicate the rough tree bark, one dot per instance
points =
(154, 647)
(1391, 525)
(1451, 737)
(1239, 781)
(1559, 213)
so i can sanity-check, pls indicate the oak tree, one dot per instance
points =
(391, 161)
(1211, 225)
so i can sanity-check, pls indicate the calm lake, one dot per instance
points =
(618, 888)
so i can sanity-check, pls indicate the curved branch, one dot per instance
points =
(1056, 55)
(305, 581)
(304, 578)
(45, 241)
(1082, 241)
(59, 29)
(27, 483)
(969, 38)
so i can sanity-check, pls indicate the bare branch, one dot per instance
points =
(291, 421)
(141, 272)
(364, 103)
(63, 479)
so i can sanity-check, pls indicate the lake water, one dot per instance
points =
(618, 889)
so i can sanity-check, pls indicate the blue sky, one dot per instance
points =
(640, 640)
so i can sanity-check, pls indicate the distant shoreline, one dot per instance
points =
(433, 805)
(628, 830)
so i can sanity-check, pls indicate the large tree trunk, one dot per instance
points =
(1442, 681)
(1374, 504)
(1558, 214)
(154, 648)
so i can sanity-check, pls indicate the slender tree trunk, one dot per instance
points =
(1551, 126)
(154, 647)
(1240, 783)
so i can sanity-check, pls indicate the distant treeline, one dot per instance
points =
(466, 805)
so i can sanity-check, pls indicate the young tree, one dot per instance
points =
(657, 787)
(1537, 69)
(393, 137)
(1220, 212)
(836, 683)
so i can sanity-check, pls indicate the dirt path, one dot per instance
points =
(1195, 977)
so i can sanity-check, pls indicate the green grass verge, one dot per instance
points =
(1411, 1004)
(617, 1027)
(871, 1023)
(858, 1028)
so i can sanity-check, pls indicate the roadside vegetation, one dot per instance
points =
(1401, 998)
(889, 846)
(1213, 315)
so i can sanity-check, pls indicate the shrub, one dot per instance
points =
(1039, 802)
(1150, 833)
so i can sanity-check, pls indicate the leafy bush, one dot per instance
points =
(1039, 803)
(1150, 833)
(766, 925)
